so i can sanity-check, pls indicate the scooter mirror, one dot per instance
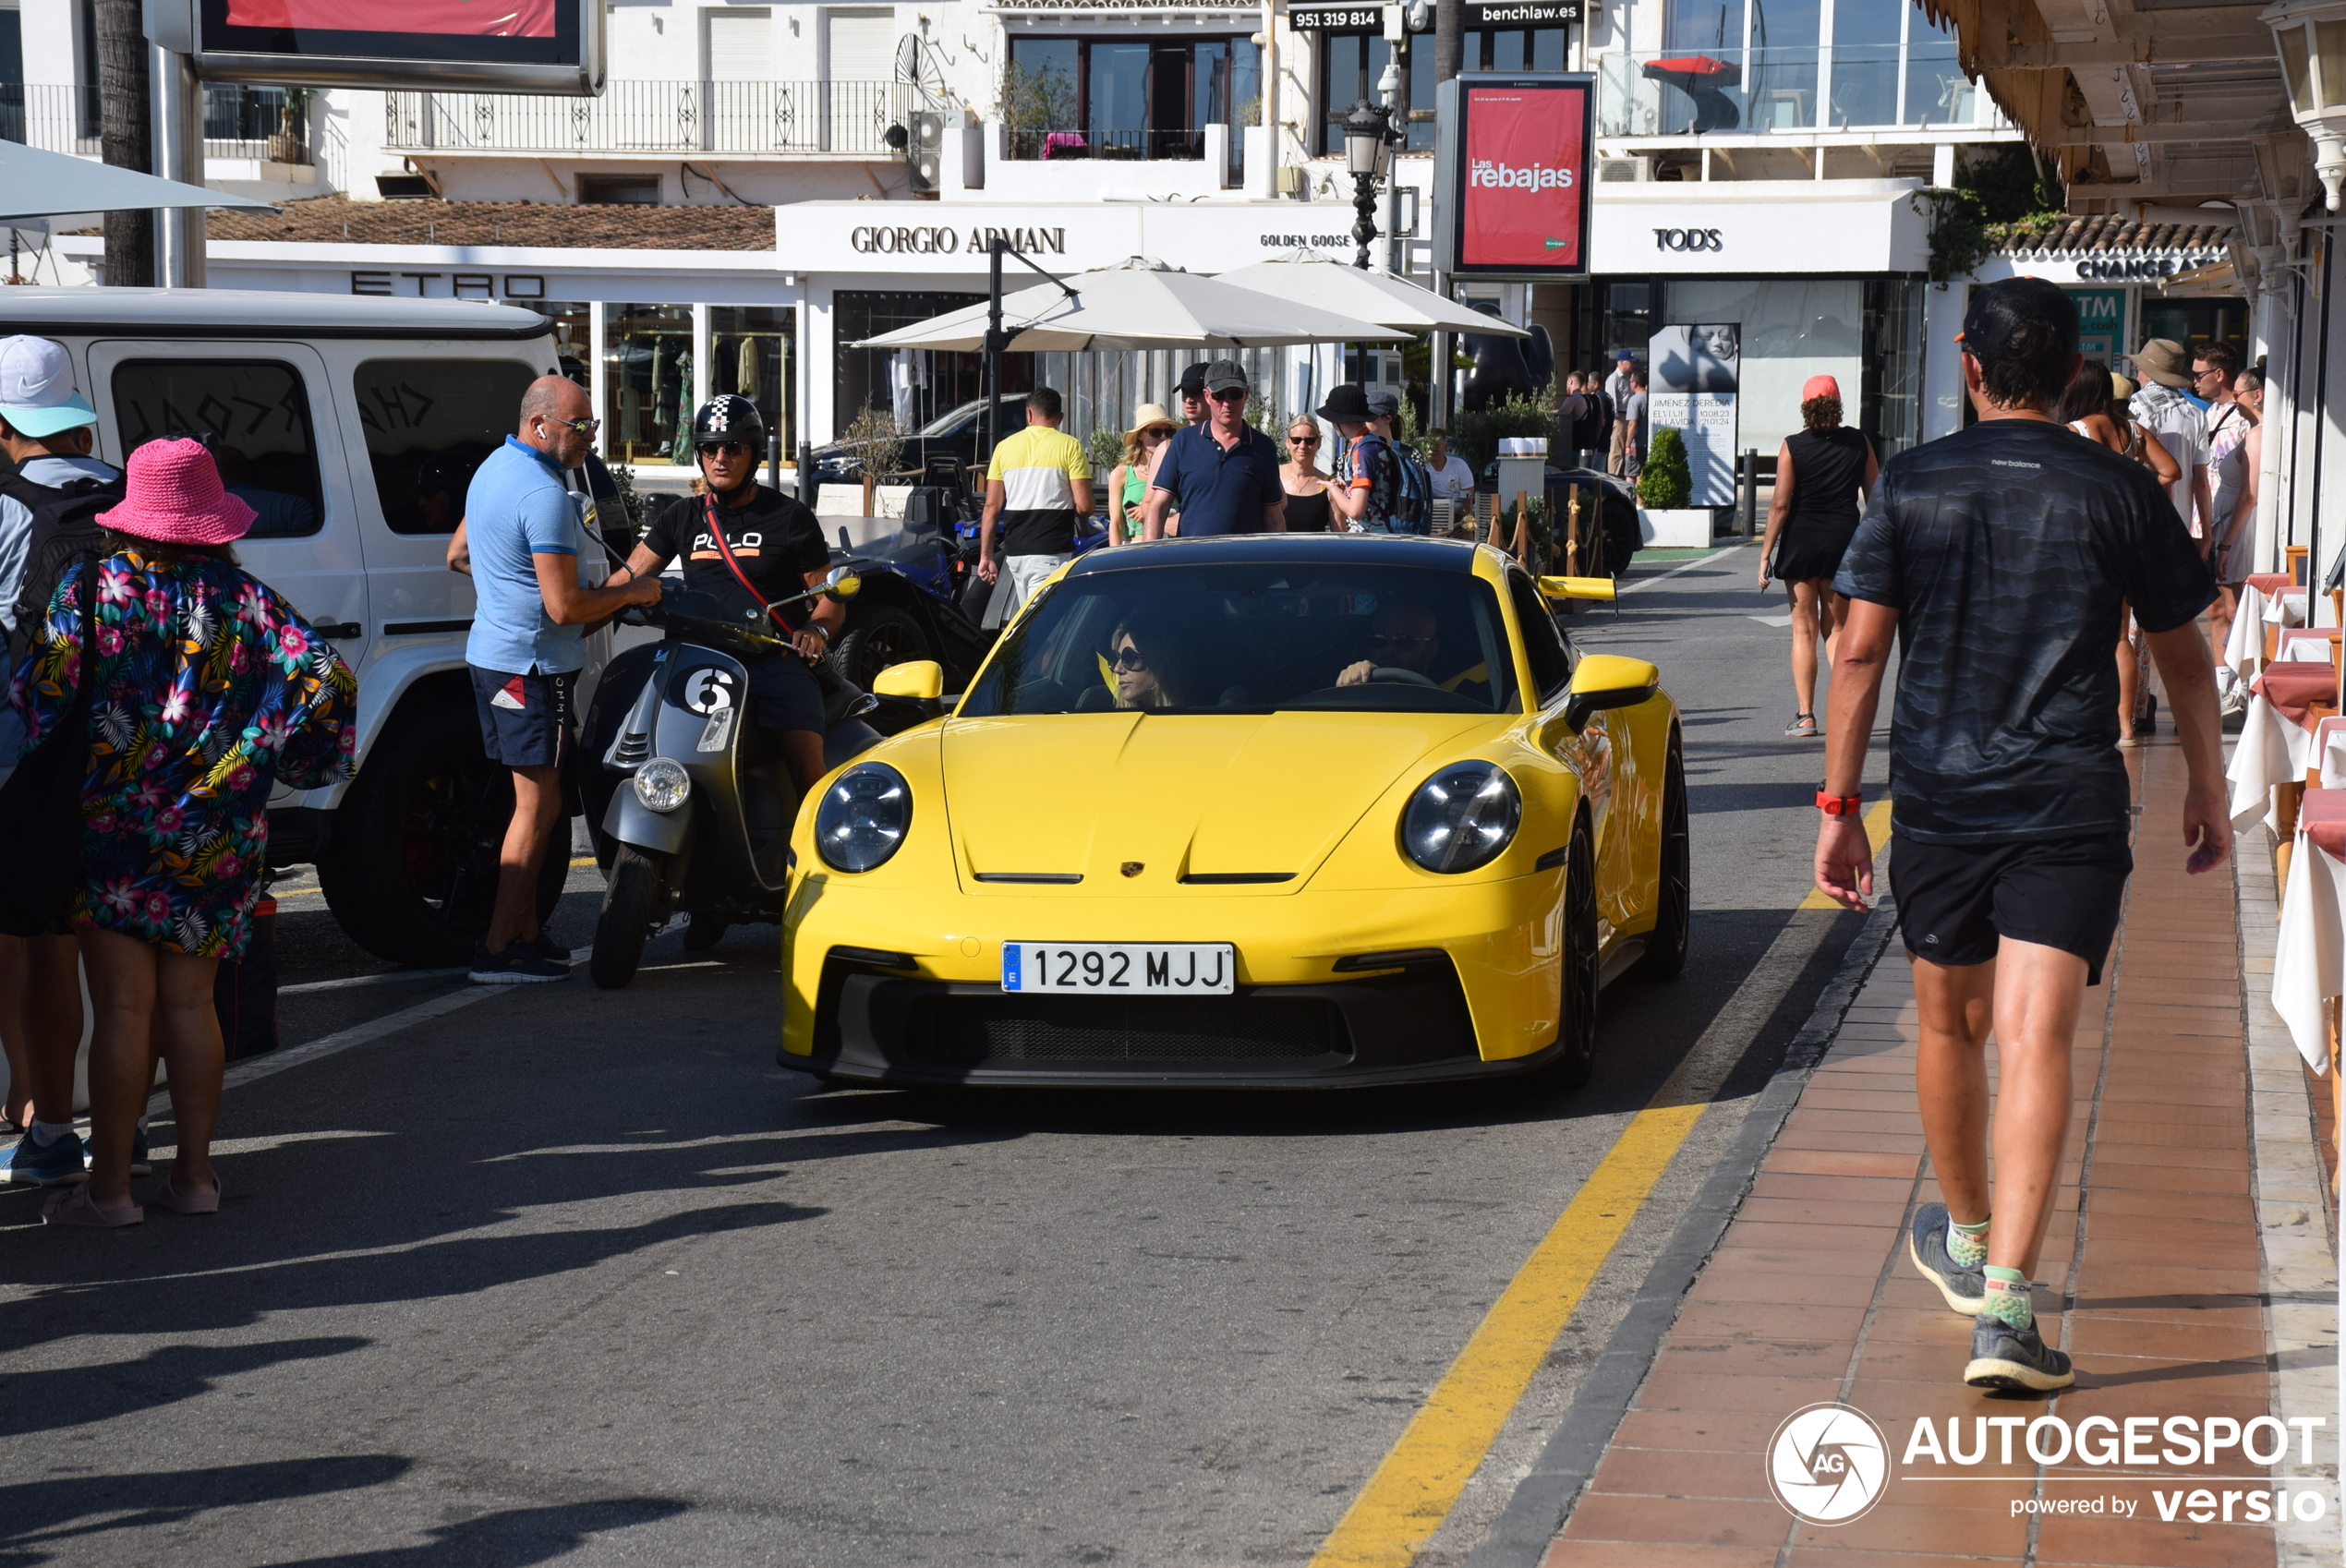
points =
(843, 584)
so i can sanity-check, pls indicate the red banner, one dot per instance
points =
(468, 19)
(1527, 163)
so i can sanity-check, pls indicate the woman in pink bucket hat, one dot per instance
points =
(205, 690)
(1822, 474)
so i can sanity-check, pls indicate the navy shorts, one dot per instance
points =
(525, 719)
(1958, 901)
(784, 693)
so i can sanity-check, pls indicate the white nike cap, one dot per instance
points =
(37, 396)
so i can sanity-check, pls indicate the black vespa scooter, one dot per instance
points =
(702, 816)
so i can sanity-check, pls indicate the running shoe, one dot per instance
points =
(546, 947)
(2004, 1356)
(32, 1164)
(516, 966)
(1964, 1289)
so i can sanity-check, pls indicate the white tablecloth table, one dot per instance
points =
(2272, 750)
(2309, 962)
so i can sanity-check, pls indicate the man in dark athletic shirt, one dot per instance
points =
(1999, 558)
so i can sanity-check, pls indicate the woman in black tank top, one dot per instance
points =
(1821, 475)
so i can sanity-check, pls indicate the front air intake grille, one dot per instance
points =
(964, 1030)
(632, 750)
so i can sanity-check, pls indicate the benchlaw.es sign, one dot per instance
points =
(1511, 175)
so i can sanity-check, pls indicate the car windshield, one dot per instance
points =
(954, 420)
(1256, 638)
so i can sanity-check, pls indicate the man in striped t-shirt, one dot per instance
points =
(1038, 485)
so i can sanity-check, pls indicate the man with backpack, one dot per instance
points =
(48, 521)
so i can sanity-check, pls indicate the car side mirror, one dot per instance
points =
(1576, 587)
(922, 679)
(843, 583)
(1607, 681)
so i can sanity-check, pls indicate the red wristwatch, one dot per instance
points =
(1839, 805)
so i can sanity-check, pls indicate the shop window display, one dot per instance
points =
(751, 353)
(574, 322)
(648, 384)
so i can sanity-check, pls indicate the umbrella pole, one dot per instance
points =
(993, 352)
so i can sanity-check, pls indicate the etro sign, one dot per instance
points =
(877, 239)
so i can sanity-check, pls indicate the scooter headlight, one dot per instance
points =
(864, 816)
(662, 784)
(1461, 818)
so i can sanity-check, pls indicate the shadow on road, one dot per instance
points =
(52, 1397)
(36, 1514)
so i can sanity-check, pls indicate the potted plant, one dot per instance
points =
(1663, 517)
(285, 146)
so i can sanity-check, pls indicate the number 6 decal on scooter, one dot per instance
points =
(709, 689)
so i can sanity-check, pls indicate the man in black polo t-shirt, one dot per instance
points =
(2000, 559)
(1221, 476)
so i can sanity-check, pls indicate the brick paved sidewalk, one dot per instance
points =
(2157, 1277)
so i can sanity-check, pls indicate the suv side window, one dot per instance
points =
(1543, 643)
(254, 414)
(429, 423)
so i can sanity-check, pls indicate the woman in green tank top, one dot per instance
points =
(1143, 445)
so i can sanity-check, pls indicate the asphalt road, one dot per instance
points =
(561, 1274)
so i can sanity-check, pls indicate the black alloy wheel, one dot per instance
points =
(411, 873)
(1665, 954)
(1576, 1032)
(875, 638)
(634, 905)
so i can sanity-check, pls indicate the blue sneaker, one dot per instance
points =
(516, 966)
(1966, 1289)
(2018, 1359)
(30, 1164)
(139, 1164)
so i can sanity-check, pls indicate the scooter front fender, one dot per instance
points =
(631, 822)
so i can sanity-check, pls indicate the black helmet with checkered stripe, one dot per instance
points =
(729, 417)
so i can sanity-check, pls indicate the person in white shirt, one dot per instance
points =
(1452, 477)
(2164, 412)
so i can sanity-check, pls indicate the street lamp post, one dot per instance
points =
(2310, 36)
(1366, 137)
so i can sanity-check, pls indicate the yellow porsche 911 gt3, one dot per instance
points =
(1290, 811)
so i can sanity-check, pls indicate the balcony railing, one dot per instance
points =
(47, 114)
(1033, 144)
(1744, 91)
(847, 118)
(242, 122)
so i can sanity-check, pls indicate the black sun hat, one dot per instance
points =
(1347, 403)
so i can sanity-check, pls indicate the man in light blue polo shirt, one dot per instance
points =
(520, 541)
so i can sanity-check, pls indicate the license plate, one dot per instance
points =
(1132, 969)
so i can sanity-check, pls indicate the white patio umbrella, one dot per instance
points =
(1325, 284)
(1143, 304)
(39, 184)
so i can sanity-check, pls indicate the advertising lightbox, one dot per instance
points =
(1511, 176)
(549, 46)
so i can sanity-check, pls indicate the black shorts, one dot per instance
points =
(1956, 902)
(525, 719)
(784, 693)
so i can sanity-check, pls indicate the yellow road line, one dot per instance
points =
(1418, 1484)
(1877, 834)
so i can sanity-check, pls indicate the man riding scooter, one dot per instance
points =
(747, 546)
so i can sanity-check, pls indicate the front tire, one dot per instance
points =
(1665, 954)
(1577, 1033)
(631, 906)
(411, 872)
(875, 638)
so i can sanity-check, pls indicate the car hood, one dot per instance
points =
(1242, 803)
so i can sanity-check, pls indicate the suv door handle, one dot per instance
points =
(339, 630)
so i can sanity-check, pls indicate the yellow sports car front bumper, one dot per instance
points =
(1351, 987)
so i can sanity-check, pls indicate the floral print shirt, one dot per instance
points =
(210, 688)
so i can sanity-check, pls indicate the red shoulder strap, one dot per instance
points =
(708, 507)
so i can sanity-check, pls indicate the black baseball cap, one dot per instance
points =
(1194, 380)
(2001, 308)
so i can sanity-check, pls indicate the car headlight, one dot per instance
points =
(864, 816)
(1461, 818)
(662, 784)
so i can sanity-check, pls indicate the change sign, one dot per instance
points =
(1511, 164)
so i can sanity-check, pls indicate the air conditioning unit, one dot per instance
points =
(1611, 170)
(924, 150)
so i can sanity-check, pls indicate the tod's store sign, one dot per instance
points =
(1765, 227)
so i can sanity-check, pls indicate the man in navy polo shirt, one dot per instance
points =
(1221, 476)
